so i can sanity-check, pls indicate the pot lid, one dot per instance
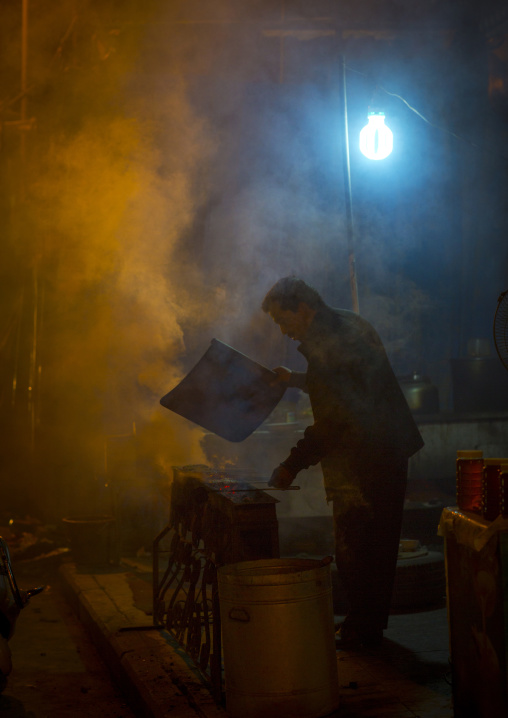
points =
(226, 393)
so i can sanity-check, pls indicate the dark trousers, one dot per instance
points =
(367, 535)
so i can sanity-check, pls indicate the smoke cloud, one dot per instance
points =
(109, 190)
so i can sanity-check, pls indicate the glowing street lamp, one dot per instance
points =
(376, 139)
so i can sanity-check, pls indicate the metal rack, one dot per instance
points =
(216, 517)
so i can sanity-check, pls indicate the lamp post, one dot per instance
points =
(376, 143)
(347, 191)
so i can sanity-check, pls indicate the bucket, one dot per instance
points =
(91, 539)
(278, 638)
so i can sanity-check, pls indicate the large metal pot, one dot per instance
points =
(263, 605)
(421, 395)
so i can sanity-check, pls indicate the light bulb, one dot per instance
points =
(376, 139)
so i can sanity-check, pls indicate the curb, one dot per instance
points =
(149, 667)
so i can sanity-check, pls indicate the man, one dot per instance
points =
(363, 434)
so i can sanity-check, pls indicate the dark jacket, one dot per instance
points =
(359, 409)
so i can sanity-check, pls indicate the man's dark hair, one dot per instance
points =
(289, 292)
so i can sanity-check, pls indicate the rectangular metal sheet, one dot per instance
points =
(226, 393)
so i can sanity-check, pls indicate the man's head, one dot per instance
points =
(292, 305)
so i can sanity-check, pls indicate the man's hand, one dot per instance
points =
(281, 478)
(283, 375)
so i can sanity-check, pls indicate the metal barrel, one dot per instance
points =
(278, 638)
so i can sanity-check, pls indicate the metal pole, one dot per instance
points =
(347, 191)
(24, 55)
(32, 374)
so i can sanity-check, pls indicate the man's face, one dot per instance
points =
(292, 324)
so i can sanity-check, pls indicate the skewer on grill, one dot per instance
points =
(274, 488)
(267, 488)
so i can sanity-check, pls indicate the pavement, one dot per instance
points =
(406, 677)
(152, 671)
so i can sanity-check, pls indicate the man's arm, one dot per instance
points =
(318, 440)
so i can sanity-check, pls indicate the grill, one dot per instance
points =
(216, 517)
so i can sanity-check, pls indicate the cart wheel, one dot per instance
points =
(419, 582)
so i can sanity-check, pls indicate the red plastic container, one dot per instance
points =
(491, 496)
(469, 480)
(504, 489)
